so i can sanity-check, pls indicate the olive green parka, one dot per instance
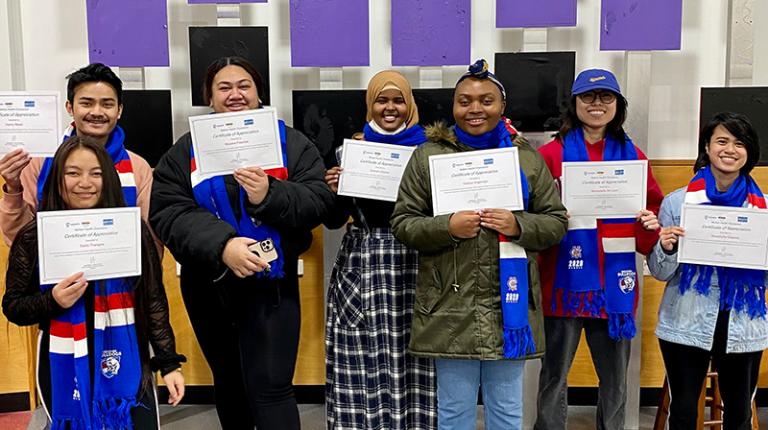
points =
(457, 310)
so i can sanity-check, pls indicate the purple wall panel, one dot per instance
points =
(640, 25)
(128, 33)
(431, 32)
(535, 13)
(329, 33)
(224, 1)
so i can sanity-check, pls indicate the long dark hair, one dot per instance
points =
(615, 128)
(223, 62)
(111, 191)
(741, 128)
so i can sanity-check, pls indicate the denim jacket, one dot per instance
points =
(689, 319)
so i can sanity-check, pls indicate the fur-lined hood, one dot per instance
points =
(441, 132)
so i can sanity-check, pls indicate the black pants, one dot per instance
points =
(687, 367)
(249, 334)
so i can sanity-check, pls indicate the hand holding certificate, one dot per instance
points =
(30, 121)
(102, 243)
(476, 180)
(224, 142)
(372, 170)
(605, 189)
(724, 236)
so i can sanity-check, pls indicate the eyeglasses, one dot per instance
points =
(606, 97)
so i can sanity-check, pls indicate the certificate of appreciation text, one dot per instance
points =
(102, 243)
(372, 170)
(474, 180)
(224, 142)
(30, 120)
(724, 236)
(605, 189)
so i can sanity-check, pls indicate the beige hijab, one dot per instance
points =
(390, 79)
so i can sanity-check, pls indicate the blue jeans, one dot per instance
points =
(457, 384)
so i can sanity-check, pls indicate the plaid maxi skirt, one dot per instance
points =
(371, 382)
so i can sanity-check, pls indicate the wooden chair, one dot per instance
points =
(711, 400)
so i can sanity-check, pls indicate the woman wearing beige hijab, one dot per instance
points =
(371, 381)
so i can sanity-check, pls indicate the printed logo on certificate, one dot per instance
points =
(473, 180)
(605, 189)
(30, 120)
(224, 142)
(724, 236)
(102, 243)
(372, 170)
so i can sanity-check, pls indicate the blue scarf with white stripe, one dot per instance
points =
(211, 193)
(513, 260)
(579, 260)
(116, 149)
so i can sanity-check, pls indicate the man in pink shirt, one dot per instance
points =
(94, 100)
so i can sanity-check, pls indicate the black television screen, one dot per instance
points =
(538, 86)
(147, 122)
(207, 44)
(328, 117)
(750, 101)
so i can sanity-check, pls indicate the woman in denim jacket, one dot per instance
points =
(703, 317)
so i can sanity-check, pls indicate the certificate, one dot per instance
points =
(30, 120)
(724, 236)
(372, 170)
(224, 142)
(605, 189)
(102, 243)
(475, 180)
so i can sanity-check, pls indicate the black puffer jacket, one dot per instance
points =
(196, 237)
(25, 304)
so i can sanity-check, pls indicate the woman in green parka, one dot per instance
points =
(474, 265)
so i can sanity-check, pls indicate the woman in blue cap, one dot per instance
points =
(477, 310)
(588, 280)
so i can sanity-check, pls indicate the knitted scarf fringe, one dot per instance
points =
(579, 302)
(741, 295)
(518, 342)
(113, 413)
(621, 326)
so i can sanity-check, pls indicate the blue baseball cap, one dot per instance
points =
(595, 79)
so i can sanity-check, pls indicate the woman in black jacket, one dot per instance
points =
(244, 309)
(83, 177)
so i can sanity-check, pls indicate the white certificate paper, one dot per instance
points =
(102, 243)
(30, 120)
(224, 142)
(605, 189)
(724, 236)
(476, 180)
(372, 170)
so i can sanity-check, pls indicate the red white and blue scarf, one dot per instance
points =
(116, 149)
(740, 289)
(117, 372)
(211, 193)
(513, 260)
(592, 280)
(117, 365)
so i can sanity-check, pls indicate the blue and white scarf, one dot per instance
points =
(211, 193)
(116, 149)
(740, 289)
(117, 364)
(592, 280)
(513, 260)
